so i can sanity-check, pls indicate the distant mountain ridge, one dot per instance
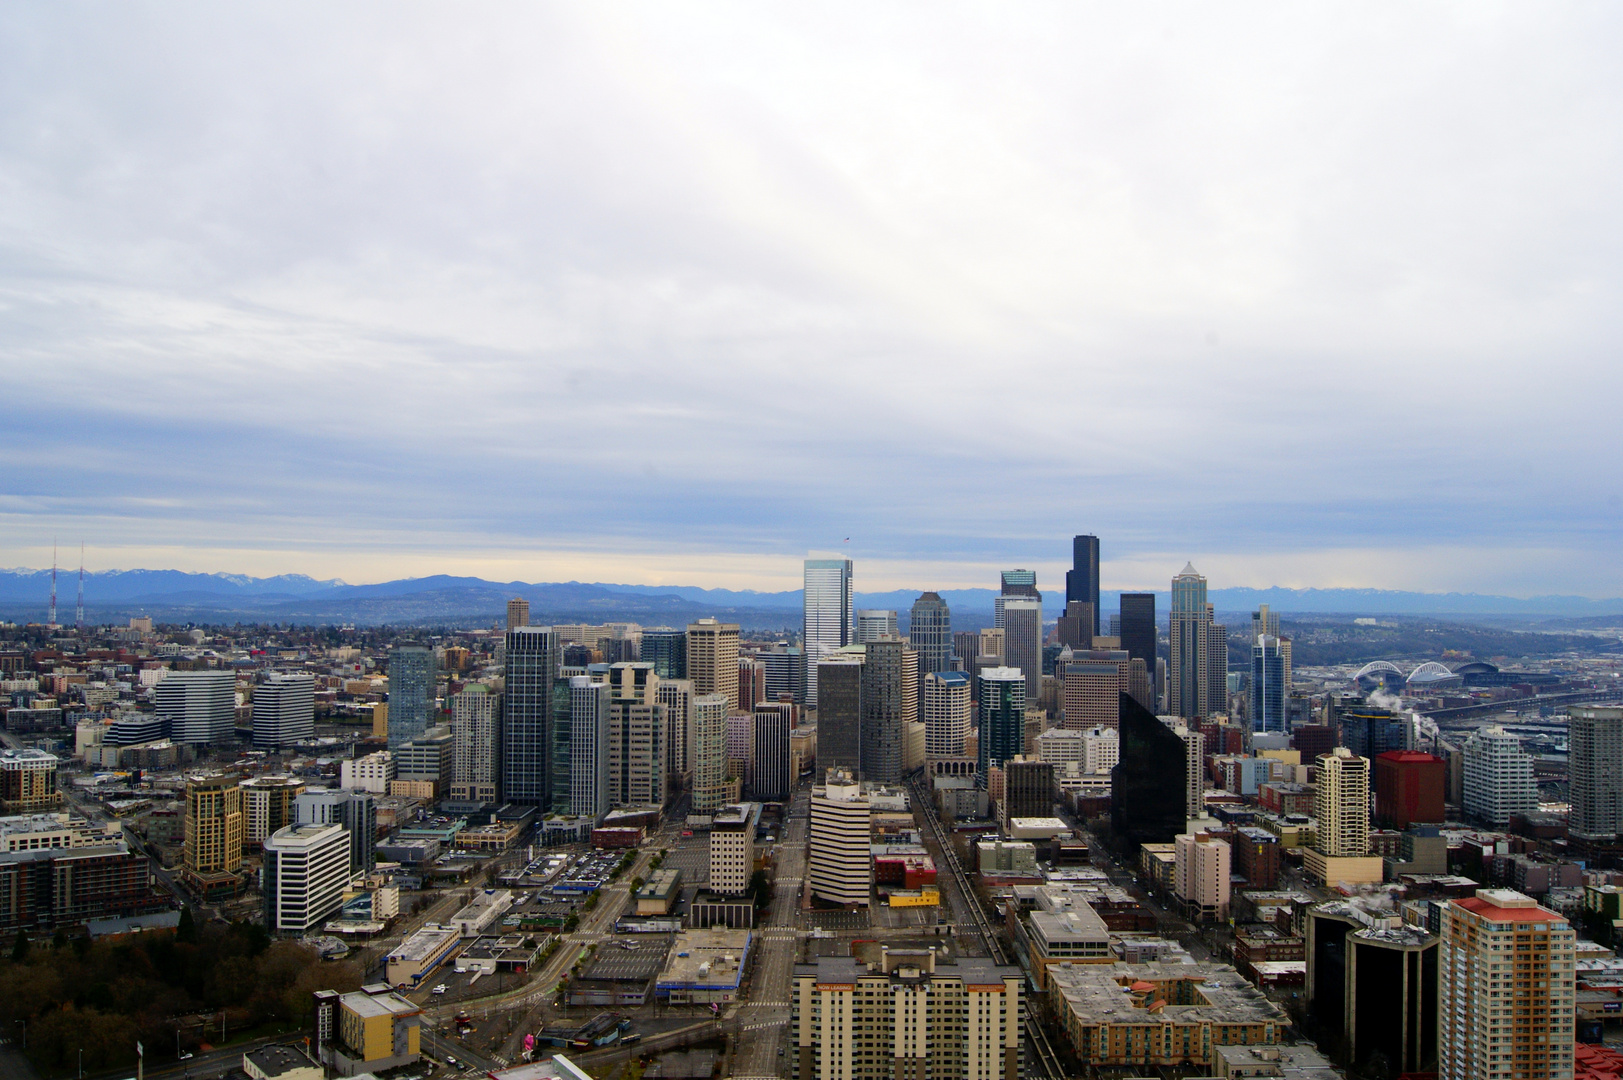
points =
(183, 596)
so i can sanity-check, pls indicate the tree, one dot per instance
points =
(186, 929)
(760, 888)
(19, 948)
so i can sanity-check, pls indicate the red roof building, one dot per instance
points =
(1409, 788)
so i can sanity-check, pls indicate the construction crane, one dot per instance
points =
(51, 622)
(79, 612)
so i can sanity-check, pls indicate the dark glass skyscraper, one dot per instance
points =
(1267, 685)
(1002, 697)
(1082, 580)
(527, 716)
(411, 692)
(839, 713)
(929, 630)
(667, 650)
(889, 702)
(1138, 628)
(1147, 786)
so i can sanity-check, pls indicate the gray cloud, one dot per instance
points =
(1322, 293)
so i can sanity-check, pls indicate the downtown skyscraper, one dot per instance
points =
(1082, 579)
(1197, 676)
(827, 625)
(929, 631)
(527, 752)
(411, 692)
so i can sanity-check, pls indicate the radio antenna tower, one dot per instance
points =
(79, 613)
(52, 620)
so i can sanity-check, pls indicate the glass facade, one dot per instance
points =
(1267, 685)
(1082, 580)
(828, 622)
(667, 650)
(527, 716)
(1002, 719)
(1150, 777)
(929, 629)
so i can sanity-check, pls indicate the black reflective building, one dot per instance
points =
(1147, 786)
(839, 716)
(667, 650)
(1138, 628)
(527, 716)
(1370, 732)
(1082, 580)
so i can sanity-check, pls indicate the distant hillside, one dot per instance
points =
(176, 596)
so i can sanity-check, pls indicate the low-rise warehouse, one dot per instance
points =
(705, 967)
(420, 954)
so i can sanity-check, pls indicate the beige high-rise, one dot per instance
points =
(215, 826)
(1341, 804)
(713, 659)
(518, 613)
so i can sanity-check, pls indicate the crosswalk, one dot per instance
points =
(769, 1005)
(763, 1024)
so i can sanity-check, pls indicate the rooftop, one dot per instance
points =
(422, 944)
(700, 958)
(1098, 994)
(274, 1060)
(27, 757)
(390, 1004)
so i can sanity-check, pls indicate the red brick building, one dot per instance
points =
(1409, 787)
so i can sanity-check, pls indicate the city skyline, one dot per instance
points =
(470, 291)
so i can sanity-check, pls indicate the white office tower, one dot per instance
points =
(676, 695)
(732, 847)
(201, 706)
(1595, 757)
(708, 730)
(1060, 746)
(306, 868)
(840, 862)
(1023, 640)
(1093, 750)
(588, 748)
(1505, 980)
(356, 811)
(826, 626)
(876, 625)
(1498, 777)
(475, 738)
(284, 710)
(370, 772)
(944, 706)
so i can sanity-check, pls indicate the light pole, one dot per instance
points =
(24, 1023)
(81, 1063)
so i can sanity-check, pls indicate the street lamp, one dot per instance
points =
(24, 1023)
(81, 1063)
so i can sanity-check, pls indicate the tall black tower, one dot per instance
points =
(1147, 786)
(1138, 628)
(1082, 580)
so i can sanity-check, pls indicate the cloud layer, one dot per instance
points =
(1316, 297)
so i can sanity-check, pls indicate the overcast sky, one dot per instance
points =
(1310, 295)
